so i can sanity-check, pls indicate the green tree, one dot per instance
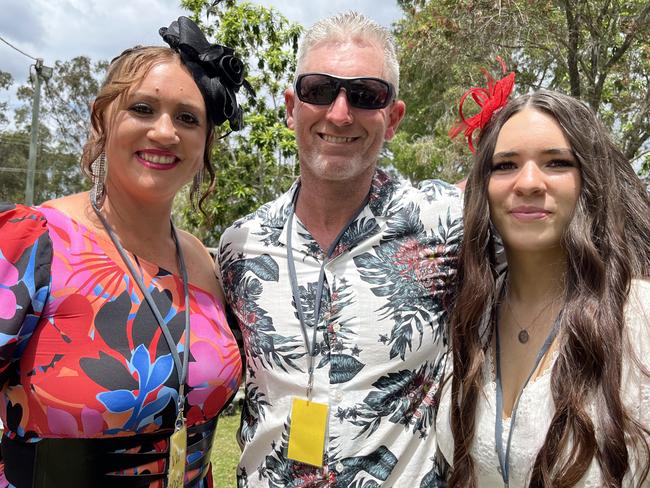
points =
(57, 172)
(596, 50)
(63, 124)
(14, 148)
(10, 148)
(65, 100)
(5, 82)
(258, 163)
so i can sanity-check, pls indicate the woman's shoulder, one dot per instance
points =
(74, 207)
(200, 264)
(193, 247)
(640, 286)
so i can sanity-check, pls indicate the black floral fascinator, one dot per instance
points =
(215, 68)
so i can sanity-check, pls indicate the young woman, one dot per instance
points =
(115, 354)
(550, 356)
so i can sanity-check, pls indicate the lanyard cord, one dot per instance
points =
(293, 278)
(504, 458)
(181, 368)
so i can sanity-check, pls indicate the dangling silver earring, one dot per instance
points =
(195, 195)
(98, 170)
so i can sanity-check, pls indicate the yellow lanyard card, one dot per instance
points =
(307, 433)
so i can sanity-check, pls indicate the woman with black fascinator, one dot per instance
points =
(115, 354)
(551, 353)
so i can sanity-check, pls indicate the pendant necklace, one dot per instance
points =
(523, 334)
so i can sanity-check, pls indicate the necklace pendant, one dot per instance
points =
(523, 336)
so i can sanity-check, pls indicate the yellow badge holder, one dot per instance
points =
(308, 429)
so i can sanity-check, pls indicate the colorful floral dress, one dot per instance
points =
(81, 354)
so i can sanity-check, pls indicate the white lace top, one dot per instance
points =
(536, 407)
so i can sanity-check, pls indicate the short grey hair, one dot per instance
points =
(352, 26)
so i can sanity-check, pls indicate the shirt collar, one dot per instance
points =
(382, 190)
(380, 204)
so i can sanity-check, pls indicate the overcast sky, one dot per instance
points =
(62, 29)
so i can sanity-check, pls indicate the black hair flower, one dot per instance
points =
(217, 71)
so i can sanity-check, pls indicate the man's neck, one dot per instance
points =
(325, 207)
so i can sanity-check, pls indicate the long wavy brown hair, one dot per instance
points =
(607, 243)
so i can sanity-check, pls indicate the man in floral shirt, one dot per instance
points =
(378, 252)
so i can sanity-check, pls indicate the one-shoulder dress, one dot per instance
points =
(82, 356)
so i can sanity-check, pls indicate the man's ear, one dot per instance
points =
(289, 101)
(395, 115)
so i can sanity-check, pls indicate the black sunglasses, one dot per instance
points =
(366, 92)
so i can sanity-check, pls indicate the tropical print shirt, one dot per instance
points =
(381, 338)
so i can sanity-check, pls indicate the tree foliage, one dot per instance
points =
(595, 50)
(56, 172)
(6, 81)
(258, 163)
(65, 100)
(64, 117)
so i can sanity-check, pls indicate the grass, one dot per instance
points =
(225, 451)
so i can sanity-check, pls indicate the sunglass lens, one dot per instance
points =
(317, 89)
(368, 93)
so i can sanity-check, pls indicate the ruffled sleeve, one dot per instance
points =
(25, 262)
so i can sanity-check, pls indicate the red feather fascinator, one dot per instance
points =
(489, 100)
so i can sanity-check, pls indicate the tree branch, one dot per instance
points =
(573, 21)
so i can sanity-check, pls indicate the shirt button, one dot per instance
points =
(339, 467)
(338, 396)
(336, 327)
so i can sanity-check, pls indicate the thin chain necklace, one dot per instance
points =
(523, 334)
